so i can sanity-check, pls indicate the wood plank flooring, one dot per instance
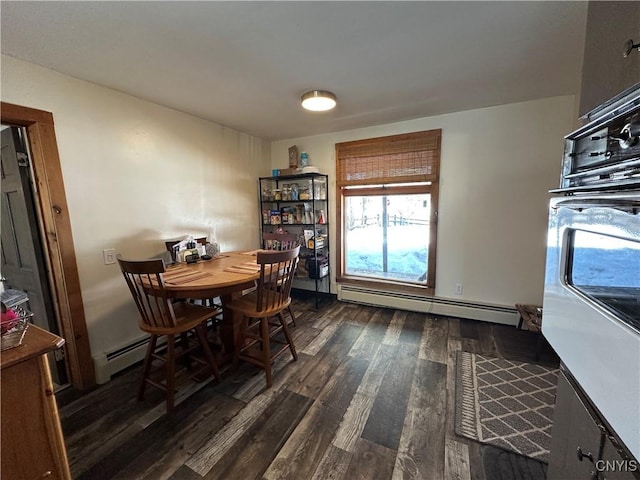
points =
(371, 397)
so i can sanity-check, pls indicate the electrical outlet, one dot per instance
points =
(109, 256)
(458, 289)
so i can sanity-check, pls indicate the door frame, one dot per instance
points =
(51, 202)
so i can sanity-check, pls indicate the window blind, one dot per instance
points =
(410, 157)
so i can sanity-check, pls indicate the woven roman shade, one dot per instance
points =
(410, 157)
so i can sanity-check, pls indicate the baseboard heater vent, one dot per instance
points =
(436, 305)
(109, 363)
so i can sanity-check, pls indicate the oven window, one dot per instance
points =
(607, 270)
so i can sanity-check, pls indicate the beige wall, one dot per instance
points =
(497, 166)
(135, 174)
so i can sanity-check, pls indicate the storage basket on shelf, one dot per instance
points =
(318, 267)
(13, 326)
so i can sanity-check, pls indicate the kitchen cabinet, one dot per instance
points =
(32, 442)
(606, 72)
(300, 204)
(582, 447)
(613, 465)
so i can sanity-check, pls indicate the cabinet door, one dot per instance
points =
(612, 466)
(32, 442)
(573, 428)
(605, 71)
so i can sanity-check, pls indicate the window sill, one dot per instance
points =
(398, 286)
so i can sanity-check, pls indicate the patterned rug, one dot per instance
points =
(505, 403)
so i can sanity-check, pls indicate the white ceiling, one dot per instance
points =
(245, 64)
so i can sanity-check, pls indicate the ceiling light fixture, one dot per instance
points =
(318, 101)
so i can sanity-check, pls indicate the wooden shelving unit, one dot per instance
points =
(300, 204)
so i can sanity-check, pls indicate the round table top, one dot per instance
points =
(225, 271)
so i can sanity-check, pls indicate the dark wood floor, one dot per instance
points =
(371, 396)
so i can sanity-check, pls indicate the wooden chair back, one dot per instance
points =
(277, 269)
(280, 241)
(143, 278)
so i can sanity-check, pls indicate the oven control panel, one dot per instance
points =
(605, 154)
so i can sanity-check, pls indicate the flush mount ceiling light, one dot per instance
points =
(318, 101)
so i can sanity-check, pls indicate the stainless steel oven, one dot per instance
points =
(591, 309)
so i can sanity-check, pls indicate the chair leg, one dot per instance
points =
(266, 349)
(146, 368)
(184, 343)
(204, 343)
(171, 372)
(293, 317)
(239, 341)
(287, 335)
(212, 329)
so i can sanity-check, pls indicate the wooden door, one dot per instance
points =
(23, 261)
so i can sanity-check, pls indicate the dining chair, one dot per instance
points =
(160, 317)
(281, 241)
(261, 312)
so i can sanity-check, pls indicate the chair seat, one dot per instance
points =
(246, 305)
(188, 316)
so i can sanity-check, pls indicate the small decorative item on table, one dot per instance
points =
(190, 255)
(13, 326)
(192, 258)
(212, 249)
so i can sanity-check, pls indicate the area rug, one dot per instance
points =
(505, 403)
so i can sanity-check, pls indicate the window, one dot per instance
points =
(605, 269)
(388, 197)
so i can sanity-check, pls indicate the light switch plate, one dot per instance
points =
(109, 256)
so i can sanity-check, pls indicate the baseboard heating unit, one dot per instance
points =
(435, 305)
(109, 363)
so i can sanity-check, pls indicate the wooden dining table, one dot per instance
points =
(226, 276)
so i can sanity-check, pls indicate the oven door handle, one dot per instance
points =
(627, 206)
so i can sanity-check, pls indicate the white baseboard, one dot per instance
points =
(438, 306)
(108, 363)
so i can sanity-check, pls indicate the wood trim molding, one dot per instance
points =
(63, 269)
(24, 116)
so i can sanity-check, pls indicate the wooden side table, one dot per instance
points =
(32, 442)
(531, 316)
